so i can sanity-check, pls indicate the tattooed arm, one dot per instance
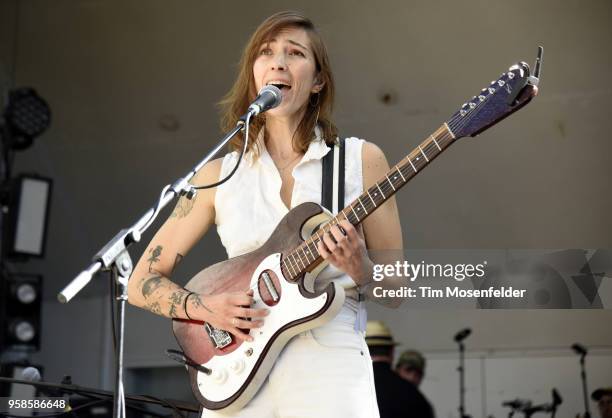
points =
(150, 286)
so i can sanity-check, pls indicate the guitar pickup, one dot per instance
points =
(531, 80)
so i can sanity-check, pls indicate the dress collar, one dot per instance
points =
(317, 149)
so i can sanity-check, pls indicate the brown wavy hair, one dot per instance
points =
(318, 109)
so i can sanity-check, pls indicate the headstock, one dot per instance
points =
(504, 96)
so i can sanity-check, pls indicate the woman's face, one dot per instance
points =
(287, 61)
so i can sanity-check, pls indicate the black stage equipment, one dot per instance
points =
(26, 116)
(582, 352)
(20, 312)
(27, 200)
(459, 337)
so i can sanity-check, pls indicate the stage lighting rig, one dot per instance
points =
(27, 116)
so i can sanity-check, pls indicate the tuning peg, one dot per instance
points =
(501, 83)
(491, 90)
(510, 75)
(535, 78)
(481, 98)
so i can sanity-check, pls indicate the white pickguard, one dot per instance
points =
(230, 372)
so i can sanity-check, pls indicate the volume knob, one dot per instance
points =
(237, 366)
(219, 376)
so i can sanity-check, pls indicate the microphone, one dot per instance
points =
(462, 335)
(32, 374)
(268, 98)
(579, 349)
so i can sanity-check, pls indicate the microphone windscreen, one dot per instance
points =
(31, 374)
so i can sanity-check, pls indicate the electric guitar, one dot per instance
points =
(229, 372)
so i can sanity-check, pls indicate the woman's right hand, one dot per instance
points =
(227, 311)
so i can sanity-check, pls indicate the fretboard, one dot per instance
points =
(306, 256)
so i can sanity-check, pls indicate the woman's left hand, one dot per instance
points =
(346, 251)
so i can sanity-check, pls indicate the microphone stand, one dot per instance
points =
(461, 370)
(587, 413)
(115, 257)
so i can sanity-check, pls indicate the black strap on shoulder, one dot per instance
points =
(341, 177)
(327, 178)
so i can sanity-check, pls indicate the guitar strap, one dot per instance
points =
(332, 178)
(332, 198)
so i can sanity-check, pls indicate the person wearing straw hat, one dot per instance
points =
(603, 397)
(396, 397)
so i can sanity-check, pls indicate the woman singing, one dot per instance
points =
(325, 372)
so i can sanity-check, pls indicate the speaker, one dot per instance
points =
(20, 312)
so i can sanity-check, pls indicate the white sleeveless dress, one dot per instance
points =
(325, 372)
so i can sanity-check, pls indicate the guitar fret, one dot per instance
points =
(390, 182)
(361, 203)
(373, 202)
(449, 131)
(305, 254)
(400, 173)
(355, 213)
(288, 265)
(436, 142)
(423, 153)
(296, 264)
(301, 261)
(381, 192)
(413, 167)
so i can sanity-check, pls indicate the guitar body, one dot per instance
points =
(239, 368)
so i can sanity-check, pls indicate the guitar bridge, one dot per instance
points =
(219, 337)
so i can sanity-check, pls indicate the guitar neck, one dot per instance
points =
(397, 177)
(306, 257)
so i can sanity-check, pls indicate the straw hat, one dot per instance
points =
(378, 334)
(599, 393)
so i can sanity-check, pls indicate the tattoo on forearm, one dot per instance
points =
(176, 298)
(183, 207)
(151, 285)
(197, 302)
(154, 257)
(154, 307)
